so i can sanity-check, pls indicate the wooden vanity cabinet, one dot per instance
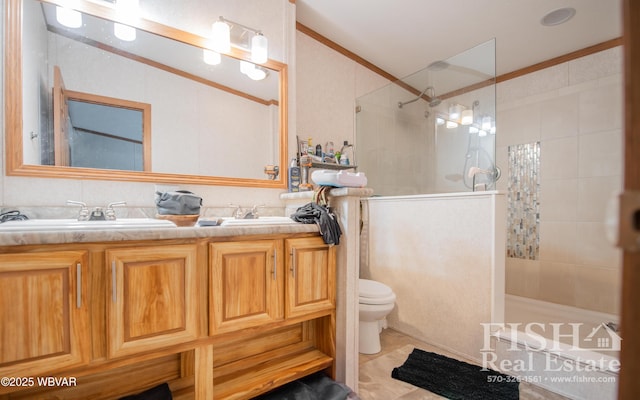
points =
(222, 318)
(311, 286)
(152, 298)
(246, 285)
(43, 312)
(272, 312)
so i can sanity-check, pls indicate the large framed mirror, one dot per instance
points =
(195, 122)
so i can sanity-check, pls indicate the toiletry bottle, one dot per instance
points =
(294, 176)
(305, 166)
(318, 150)
(310, 148)
(346, 153)
(328, 149)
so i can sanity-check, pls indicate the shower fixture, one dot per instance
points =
(438, 65)
(493, 174)
(431, 97)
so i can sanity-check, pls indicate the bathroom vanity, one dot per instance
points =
(224, 313)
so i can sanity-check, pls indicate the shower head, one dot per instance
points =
(438, 65)
(431, 95)
(434, 102)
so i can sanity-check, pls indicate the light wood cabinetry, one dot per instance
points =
(245, 289)
(43, 312)
(253, 283)
(222, 318)
(310, 276)
(153, 299)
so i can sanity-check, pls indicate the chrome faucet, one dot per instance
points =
(98, 213)
(253, 214)
(239, 213)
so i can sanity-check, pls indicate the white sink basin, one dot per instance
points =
(72, 224)
(258, 221)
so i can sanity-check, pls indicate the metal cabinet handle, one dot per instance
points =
(113, 280)
(293, 263)
(78, 285)
(275, 264)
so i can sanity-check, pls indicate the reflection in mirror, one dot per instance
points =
(105, 136)
(210, 123)
(96, 131)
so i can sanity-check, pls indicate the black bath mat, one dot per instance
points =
(455, 379)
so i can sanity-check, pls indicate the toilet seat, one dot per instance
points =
(373, 292)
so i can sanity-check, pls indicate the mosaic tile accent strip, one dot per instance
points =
(523, 201)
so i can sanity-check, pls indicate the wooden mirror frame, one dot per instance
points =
(13, 108)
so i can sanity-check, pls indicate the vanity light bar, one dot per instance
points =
(221, 39)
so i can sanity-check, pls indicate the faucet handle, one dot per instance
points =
(83, 215)
(238, 211)
(77, 203)
(110, 213)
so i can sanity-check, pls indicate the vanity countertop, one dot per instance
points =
(18, 238)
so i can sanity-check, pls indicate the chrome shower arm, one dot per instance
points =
(401, 104)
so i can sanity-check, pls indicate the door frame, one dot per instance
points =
(628, 382)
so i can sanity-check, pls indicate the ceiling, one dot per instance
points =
(404, 36)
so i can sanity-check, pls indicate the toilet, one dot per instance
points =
(376, 301)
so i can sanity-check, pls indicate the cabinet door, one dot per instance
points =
(311, 272)
(43, 312)
(246, 284)
(153, 299)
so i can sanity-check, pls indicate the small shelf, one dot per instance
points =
(331, 166)
(269, 374)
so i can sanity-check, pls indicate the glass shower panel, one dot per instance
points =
(405, 135)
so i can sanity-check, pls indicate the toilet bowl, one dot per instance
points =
(376, 301)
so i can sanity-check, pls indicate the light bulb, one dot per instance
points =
(473, 129)
(211, 57)
(439, 121)
(257, 73)
(220, 37)
(486, 123)
(454, 112)
(246, 67)
(127, 10)
(68, 17)
(467, 117)
(124, 32)
(451, 124)
(259, 49)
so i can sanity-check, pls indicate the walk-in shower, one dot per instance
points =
(413, 140)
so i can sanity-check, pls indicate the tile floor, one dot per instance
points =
(376, 383)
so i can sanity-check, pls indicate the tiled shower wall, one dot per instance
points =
(523, 205)
(575, 111)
